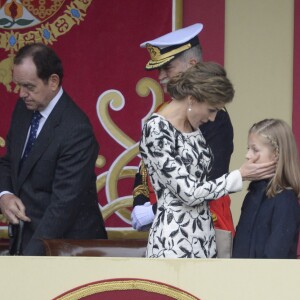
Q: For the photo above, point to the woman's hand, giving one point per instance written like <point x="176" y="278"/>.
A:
<point x="252" y="171"/>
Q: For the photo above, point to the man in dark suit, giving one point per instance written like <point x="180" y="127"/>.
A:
<point x="52" y="186"/>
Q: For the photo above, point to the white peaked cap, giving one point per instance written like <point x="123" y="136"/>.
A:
<point x="177" y="37"/>
<point x="169" y="46"/>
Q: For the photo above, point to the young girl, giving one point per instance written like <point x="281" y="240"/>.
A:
<point x="269" y="222"/>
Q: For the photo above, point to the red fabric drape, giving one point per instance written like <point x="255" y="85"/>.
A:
<point x="100" y="53"/>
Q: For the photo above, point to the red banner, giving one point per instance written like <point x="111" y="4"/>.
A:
<point x="98" y="42"/>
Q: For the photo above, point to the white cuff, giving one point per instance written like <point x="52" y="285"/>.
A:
<point x="234" y="181"/>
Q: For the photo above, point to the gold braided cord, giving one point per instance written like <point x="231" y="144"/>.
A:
<point x="157" y="57"/>
<point x="123" y="285"/>
<point x="214" y="217"/>
<point x="142" y="188"/>
<point x="155" y="64"/>
<point x="144" y="173"/>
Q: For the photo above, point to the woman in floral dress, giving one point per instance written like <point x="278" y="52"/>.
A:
<point x="178" y="160"/>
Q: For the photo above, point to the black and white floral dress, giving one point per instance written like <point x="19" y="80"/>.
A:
<point x="178" y="164"/>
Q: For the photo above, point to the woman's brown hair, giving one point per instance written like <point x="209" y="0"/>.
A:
<point x="205" y="81"/>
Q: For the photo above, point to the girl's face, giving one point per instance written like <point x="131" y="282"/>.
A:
<point x="259" y="149"/>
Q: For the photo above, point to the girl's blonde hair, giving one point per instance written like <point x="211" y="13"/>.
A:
<point x="279" y="136"/>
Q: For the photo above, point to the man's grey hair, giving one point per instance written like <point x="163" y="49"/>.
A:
<point x="194" y="53"/>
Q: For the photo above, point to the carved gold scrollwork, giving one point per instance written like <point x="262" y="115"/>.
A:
<point x="143" y="89"/>
<point x="113" y="177"/>
<point x="116" y="101"/>
<point x="119" y="169"/>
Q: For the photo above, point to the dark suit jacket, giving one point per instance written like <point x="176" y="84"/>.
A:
<point x="56" y="183"/>
<point x="268" y="227"/>
<point x="219" y="136"/>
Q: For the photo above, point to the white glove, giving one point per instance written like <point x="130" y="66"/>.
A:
<point x="142" y="217"/>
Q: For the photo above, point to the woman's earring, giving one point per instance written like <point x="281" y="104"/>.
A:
<point x="190" y="108"/>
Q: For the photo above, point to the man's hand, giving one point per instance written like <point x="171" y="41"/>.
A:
<point x="142" y="217"/>
<point x="13" y="209"/>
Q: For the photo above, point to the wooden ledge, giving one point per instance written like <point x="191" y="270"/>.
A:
<point x="98" y="248"/>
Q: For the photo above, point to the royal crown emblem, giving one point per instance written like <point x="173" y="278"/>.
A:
<point x="153" y="51"/>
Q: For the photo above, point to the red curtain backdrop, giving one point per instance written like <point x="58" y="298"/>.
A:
<point x="99" y="53"/>
<point x="296" y="89"/>
<point x="212" y="15"/>
<point x="101" y="57"/>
